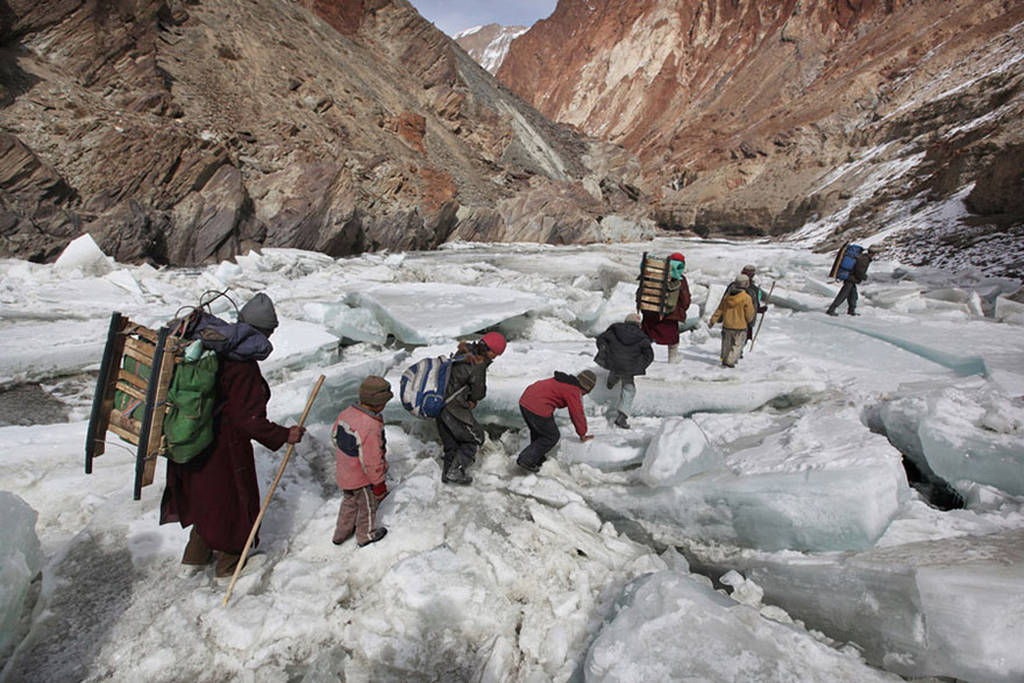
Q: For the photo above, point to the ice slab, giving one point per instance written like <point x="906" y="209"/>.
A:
<point x="431" y="312"/>
<point x="960" y="364"/>
<point x="20" y="560"/>
<point x="34" y="351"/>
<point x="340" y="389"/>
<point x="951" y="607"/>
<point x="672" y="626"/>
<point x="821" y="483"/>
<point x="1009" y="311"/>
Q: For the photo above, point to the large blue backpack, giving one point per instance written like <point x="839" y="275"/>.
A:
<point x="423" y="386"/>
<point x="846" y="259"/>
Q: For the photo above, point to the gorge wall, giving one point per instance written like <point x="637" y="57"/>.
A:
<point x="182" y="131"/>
<point x="838" y="118"/>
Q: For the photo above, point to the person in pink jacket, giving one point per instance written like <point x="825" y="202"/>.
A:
<point x="538" y="404"/>
<point x="358" y="436"/>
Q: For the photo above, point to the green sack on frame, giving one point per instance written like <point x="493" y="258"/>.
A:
<point x="188" y="423"/>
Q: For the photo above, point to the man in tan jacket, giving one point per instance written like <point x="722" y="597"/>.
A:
<point x="736" y="311"/>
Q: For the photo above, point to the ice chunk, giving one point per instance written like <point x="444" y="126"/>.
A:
<point x="19" y="563"/>
<point x="621" y="302"/>
<point x="1009" y="311"/>
<point x="83" y="254"/>
<point x="340" y="388"/>
<point x="950" y="607"/>
<point x="961" y="439"/>
<point x="678" y="451"/>
<point x="298" y="343"/>
<point x="431" y="312"/>
<point x="356" y="324"/>
<point x="35" y="351"/>
<point x="670" y="626"/>
<point x="821" y="483"/>
<point x="959" y="433"/>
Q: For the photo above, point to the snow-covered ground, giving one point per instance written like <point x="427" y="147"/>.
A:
<point x="755" y="524"/>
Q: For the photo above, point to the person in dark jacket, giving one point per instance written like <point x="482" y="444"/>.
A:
<point x="460" y="433"/>
<point x="217" y="492"/>
<point x="538" y="404"/>
<point x="848" y="292"/>
<point x="625" y="352"/>
<point x="663" y="328"/>
<point x="757" y="295"/>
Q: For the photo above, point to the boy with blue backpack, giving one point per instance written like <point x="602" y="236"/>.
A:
<point x="460" y="433"/>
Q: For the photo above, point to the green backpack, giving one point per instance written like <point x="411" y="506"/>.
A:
<point x="188" y="423"/>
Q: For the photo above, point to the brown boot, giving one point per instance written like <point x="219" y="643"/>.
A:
<point x="226" y="563"/>
<point x="197" y="553"/>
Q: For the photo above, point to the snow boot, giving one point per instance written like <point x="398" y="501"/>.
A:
<point x="375" y="535"/>
<point x="528" y="468"/>
<point x="456" y="474"/>
<point x="621" y="421"/>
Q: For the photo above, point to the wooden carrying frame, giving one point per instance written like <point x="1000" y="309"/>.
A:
<point x="144" y="347"/>
<point x="654" y="276"/>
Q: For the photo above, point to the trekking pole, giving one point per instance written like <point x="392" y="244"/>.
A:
<point x="761" y="321"/>
<point x="266" y="501"/>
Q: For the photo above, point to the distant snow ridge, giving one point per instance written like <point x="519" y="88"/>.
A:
<point x="489" y="44"/>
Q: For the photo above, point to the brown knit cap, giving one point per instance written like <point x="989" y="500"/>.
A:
<point x="587" y="380"/>
<point x="375" y="391"/>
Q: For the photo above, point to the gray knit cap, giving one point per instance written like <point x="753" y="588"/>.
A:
<point x="259" y="312"/>
<point x="742" y="280"/>
<point x="587" y="380"/>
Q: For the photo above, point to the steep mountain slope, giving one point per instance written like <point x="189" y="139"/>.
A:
<point x="184" y="131"/>
<point x="840" y="117"/>
<point x="488" y="44"/>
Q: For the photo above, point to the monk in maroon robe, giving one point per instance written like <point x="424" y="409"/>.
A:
<point x="217" y="492"/>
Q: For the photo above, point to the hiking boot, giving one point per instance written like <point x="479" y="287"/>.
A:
<point x="620" y="421"/>
<point x="831" y="312"/>
<point x="226" y="563"/>
<point x="852" y="313"/>
<point x="375" y="535"/>
<point x="528" y="468"/>
<point x="456" y="474"/>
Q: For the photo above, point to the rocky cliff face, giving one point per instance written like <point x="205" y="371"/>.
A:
<point x="835" y="117"/>
<point x="181" y="131"/>
<point x="489" y="44"/>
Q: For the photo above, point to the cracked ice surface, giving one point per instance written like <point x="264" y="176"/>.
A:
<point x="785" y="470"/>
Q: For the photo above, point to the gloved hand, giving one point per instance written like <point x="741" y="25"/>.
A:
<point x="380" y="491"/>
<point x="763" y="309"/>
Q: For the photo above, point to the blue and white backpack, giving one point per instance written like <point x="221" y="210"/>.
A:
<point x="423" y="385"/>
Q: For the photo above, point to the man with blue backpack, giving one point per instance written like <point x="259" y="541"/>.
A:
<point x="848" y="292"/>
<point x="460" y="433"/>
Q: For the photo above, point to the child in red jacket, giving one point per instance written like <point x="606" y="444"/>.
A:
<point x="359" y="438"/>
<point x="538" y="404"/>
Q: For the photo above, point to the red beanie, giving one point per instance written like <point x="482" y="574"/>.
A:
<point x="495" y="342"/>
<point x="677" y="257"/>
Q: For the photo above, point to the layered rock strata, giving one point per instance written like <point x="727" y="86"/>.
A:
<point x="187" y="131"/>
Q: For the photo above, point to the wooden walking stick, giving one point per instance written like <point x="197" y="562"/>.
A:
<point x="761" y="321"/>
<point x="266" y="501"/>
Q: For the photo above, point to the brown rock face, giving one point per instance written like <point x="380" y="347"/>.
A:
<point x="763" y="117"/>
<point x="183" y="132"/>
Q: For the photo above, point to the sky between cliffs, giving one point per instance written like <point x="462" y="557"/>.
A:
<point x="452" y="16"/>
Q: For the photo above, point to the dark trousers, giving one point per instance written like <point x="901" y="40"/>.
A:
<point x="455" y="451"/>
<point x="543" y="437"/>
<point x="847" y="293"/>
